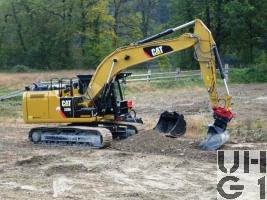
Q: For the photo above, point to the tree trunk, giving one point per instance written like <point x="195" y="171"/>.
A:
<point x="218" y="28"/>
<point x="83" y="27"/>
<point x="207" y="12"/>
<point x="251" y="58"/>
<point x="117" y="5"/>
<point x="19" y="31"/>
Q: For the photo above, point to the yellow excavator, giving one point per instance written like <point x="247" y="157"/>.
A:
<point x="93" y="108"/>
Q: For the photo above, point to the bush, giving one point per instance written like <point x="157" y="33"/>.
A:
<point x="262" y="61"/>
<point x="164" y="63"/>
<point x="253" y="74"/>
<point x="20" y="68"/>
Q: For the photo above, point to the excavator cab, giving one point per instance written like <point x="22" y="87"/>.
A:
<point x="112" y="101"/>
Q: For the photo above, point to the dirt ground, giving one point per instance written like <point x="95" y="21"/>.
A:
<point x="144" y="166"/>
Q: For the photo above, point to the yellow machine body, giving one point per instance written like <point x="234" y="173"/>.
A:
<point x="97" y="100"/>
<point x="44" y="106"/>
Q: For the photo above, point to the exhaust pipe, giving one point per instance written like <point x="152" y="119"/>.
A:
<point x="171" y="123"/>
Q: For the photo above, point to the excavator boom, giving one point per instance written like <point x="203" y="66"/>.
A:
<point x="148" y="49"/>
<point x="95" y="100"/>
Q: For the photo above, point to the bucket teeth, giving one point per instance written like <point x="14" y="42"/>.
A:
<point x="171" y="123"/>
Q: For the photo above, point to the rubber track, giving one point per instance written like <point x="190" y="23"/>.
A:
<point x="105" y="133"/>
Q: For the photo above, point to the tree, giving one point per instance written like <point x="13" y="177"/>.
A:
<point x="79" y="33"/>
<point x="126" y="22"/>
<point x="148" y="15"/>
<point x="100" y="33"/>
<point x="247" y="30"/>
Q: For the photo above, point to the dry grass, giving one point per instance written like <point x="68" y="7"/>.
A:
<point x="20" y="80"/>
<point x="197" y="126"/>
<point x="11" y="108"/>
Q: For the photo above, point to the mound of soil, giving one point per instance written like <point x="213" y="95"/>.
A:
<point x="151" y="142"/>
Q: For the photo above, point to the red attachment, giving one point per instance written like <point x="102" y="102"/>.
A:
<point x="130" y="104"/>
<point x="223" y="112"/>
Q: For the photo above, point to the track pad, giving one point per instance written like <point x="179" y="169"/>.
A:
<point x="171" y="123"/>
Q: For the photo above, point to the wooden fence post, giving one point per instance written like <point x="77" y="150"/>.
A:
<point x="148" y="75"/>
<point x="226" y="69"/>
<point x="177" y="74"/>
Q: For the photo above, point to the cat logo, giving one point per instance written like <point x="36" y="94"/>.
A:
<point x="66" y="103"/>
<point x="156" y="51"/>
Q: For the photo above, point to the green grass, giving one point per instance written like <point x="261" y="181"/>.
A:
<point x="11" y="108"/>
<point x="186" y="83"/>
<point x="4" y="91"/>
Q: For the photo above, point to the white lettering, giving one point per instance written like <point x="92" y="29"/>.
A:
<point x="66" y="103"/>
<point x="157" y="51"/>
<point x="153" y="51"/>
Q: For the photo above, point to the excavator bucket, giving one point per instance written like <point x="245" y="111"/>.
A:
<point x="217" y="134"/>
<point x="171" y="123"/>
<point x="216" y="137"/>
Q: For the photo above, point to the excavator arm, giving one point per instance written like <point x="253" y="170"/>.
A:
<point x="146" y="50"/>
<point x="126" y="57"/>
<point x="206" y="53"/>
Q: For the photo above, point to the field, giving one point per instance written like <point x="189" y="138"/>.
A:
<point x="145" y="166"/>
